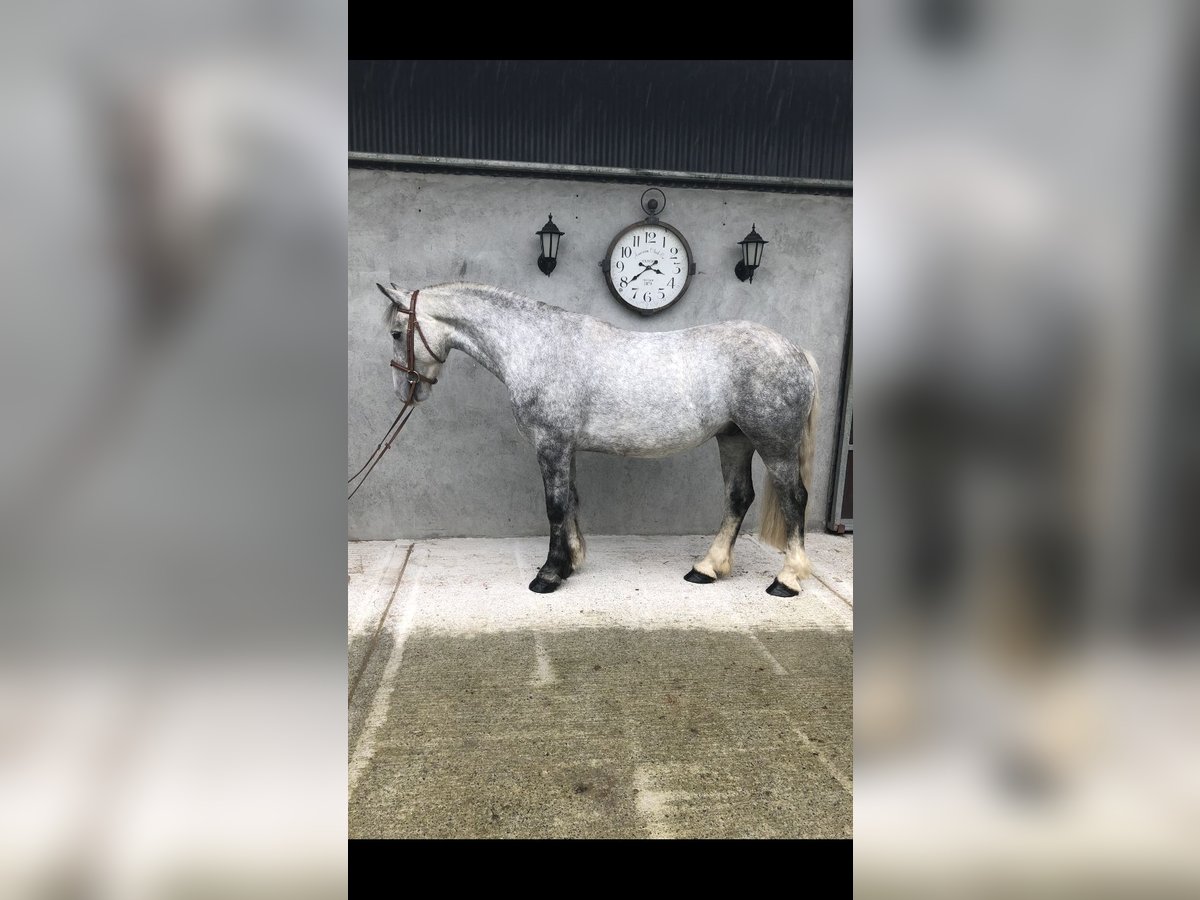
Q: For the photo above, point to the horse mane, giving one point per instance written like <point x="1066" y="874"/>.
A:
<point x="502" y="296"/>
<point x="474" y="287"/>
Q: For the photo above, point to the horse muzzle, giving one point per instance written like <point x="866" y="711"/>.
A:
<point x="403" y="381"/>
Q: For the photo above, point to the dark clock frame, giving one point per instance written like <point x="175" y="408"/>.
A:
<point x="606" y="264"/>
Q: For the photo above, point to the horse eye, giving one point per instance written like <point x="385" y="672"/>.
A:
<point x="398" y="334"/>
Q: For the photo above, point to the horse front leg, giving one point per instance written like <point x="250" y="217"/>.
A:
<point x="556" y="460"/>
<point x="737" y="455"/>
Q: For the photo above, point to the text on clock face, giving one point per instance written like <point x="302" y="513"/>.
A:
<point x="649" y="266"/>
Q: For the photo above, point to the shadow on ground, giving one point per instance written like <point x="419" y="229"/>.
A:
<point x="609" y="732"/>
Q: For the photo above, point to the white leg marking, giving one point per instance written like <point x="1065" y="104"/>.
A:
<point x="576" y="545"/>
<point x="796" y="566"/>
<point x="719" y="561"/>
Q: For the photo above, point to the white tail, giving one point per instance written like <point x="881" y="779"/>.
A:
<point x="771" y="527"/>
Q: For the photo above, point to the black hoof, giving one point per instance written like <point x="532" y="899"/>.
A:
<point x="780" y="590"/>
<point x="540" y="585"/>
<point x="698" y="577"/>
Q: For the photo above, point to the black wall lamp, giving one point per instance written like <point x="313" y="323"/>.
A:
<point x="550" y="235"/>
<point x="752" y="248"/>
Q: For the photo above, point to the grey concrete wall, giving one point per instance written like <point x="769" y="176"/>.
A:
<point x="461" y="468"/>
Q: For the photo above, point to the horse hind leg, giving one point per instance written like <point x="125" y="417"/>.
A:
<point x="792" y="496"/>
<point x="737" y="453"/>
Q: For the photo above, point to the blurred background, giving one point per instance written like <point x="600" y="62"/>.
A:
<point x="172" y="380"/>
<point x="172" y="375"/>
<point x="1026" y="681"/>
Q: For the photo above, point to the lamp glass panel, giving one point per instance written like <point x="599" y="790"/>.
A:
<point x="756" y="250"/>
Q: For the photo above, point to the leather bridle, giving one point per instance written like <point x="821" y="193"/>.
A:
<point x="409" y="368"/>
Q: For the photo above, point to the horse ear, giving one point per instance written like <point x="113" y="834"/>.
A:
<point x="393" y="296"/>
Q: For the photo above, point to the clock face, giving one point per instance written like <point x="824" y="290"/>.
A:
<point x="649" y="266"/>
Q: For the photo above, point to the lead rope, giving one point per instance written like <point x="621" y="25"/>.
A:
<point x="410" y="403"/>
<point x="385" y="444"/>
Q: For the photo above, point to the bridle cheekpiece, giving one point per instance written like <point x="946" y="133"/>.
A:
<point x="409" y="367"/>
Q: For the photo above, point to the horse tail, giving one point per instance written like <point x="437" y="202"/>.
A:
<point x="772" y="527"/>
<point x="808" y="443"/>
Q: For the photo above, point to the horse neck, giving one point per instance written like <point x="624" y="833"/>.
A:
<point x="487" y="327"/>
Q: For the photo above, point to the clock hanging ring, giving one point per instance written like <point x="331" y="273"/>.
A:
<point x="649" y="264"/>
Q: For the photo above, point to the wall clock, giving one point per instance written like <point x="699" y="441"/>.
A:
<point x="649" y="264"/>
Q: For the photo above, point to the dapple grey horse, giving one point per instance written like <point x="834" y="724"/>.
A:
<point x="578" y="383"/>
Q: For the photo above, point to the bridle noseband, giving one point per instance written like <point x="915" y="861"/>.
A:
<point x="409" y="368"/>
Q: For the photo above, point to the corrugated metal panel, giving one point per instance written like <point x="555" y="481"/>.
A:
<point x="780" y="118"/>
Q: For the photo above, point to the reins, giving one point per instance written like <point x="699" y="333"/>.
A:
<point x="410" y="403"/>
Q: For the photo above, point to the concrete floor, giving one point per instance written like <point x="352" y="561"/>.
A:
<point x="629" y="703"/>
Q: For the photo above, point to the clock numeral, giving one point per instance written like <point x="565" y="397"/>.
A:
<point x="649" y="287"/>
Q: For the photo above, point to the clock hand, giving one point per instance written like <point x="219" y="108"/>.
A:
<point x="646" y="267"/>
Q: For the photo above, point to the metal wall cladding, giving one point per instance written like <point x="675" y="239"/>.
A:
<point x="781" y="118"/>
